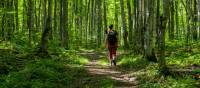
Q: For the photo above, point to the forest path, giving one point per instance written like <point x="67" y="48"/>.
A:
<point x="123" y="79"/>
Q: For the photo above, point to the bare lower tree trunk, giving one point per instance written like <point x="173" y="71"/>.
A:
<point x="125" y="32"/>
<point x="195" y="20"/>
<point x="99" y="24"/>
<point x="161" y="42"/>
<point x="24" y="6"/>
<point x="3" y="22"/>
<point x="148" y="31"/>
<point x="16" y="16"/>
<point x="130" y="22"/>
<point x="177" y="19"/>
<point x="105" y="15"/>
<point x="48" y="28"/>
<point x="30" y="19"/>
<point x="171" y="22"/>
<point x="65" y="24"/>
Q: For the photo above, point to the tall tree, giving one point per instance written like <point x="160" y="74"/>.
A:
<point x="195" y="20"/>
<point x="46" y="31"/>
<point x="130" y="22"/>
<point x="125" y="32"/>
<point x="65" y="23"/>
<point x="177" y="18"/>
<point x="148" y="30"/>
<point x="99" y="24"/>
<point x="171" y="20"/>
<point x="161" y="35"/>
<point x="16" y="16"/>
<point x="3" y="21"/>
<point x="30" y="19"/>
<point x="105" y="14"/>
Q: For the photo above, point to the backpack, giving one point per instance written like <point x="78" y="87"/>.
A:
<point x="112" y="38"/>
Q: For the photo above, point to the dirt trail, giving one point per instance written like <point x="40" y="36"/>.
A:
<point x="124" y="79"/>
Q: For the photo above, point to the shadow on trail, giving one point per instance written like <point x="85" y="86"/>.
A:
<point x="112" y="75"/>
<point x="93" y="55"/>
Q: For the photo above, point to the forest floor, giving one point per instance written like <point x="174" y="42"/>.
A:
<point x="122" y="79"/>
<point x="85" y="68"/>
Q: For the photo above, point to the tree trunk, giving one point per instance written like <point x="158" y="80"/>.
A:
<point x="171" y="22"/>
<point x="99" y="24"/>
<point x="125" y="33"/>
<point x="148" y="28"/>
<point x="105" y="16"/>
<point x="195" y="21"/>
<point x="30" y="19"/>
<point x="177" y="19"/>
<point x="55" y="16"/>
<point x="46" y="32"/>
<point x="130" y="22"/>
<point x="16" y="16"/>
<point x="161" y="43"/>
<point x="65" y="24"/>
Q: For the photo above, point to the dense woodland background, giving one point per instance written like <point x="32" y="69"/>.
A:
<point x="166" y="32"/>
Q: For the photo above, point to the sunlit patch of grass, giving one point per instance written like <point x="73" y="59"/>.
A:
<point x="83" y="60"/>
<point x="6" y="45"/>
<point x="149" y="78"/>
<point x="103" y="61"/>
<point x="132" y="62"/>
<point x="187" y="82"/>
<point x="71" y="57"/>
<point x="183" y="59"/>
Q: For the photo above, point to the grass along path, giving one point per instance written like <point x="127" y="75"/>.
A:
<point x="122" y="79"/>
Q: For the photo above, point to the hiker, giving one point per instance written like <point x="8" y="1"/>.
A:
<point x="112" y="44"/>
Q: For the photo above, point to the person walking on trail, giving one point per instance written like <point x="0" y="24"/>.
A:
<point x="112" y="44"/>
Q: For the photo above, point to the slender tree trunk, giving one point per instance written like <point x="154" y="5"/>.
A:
<point x="130" y="22"/>
<point x="48" y="28"/>
<point x="30" y="19"/>
<point x="61" y="22"/>
<point x="161" y="43"/>
<point x="99" y="24"/>
<point x="65" y="24"/>
<point x="3" y="22"/>
<point x="188" y="9"/>
<point x="177" y="19"/>
<point x="148" y="28"/>
<point x="125" y="33"/>
<point x="105" y="16"/>
<point x="55" y="16"/>
<point x="39" y="16"/>
<point x="116" y="16"/>
<point x="16" y="16"/>
<point x="92" y="20"/>
<point x="24" y="11"/>
<point x="135" y="26"/>
<point x="87" y="22"/>
<point x="171" y="22"/>
<point x="195" y="21"/>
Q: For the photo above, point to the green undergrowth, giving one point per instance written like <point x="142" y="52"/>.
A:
<point x="44" y="73"/>
<point x="60" y="71"/>
<point x="147" y="73"/>
<point x="177" y="54"/>
<point x="63" y="69"/>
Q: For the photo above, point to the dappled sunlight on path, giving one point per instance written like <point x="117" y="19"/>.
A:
<point x="123" y="79"/>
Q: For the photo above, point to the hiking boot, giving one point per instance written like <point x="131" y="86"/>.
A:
<point x="114" y="62"/>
